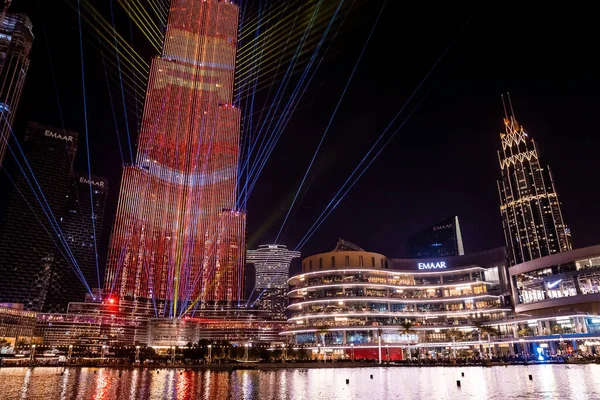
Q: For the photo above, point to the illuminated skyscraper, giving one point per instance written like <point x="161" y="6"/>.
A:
<point x="272" y="264"/>
<point x="16" y="39"/>
<point x="81" y="226"/>
<point x="178" y="238"/>
<point x="31" y="251"/>
<point x="443" y="239"/>
<point x="531" y="216"/>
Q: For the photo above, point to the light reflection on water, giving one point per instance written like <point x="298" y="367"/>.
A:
<point x="501" y="383"/>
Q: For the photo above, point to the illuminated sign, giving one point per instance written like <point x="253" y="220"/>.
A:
<point x="91" y="182"/>
<point x="440" y="227"/>
<point x="58" y="136"/>
<point x="433" y="265"/>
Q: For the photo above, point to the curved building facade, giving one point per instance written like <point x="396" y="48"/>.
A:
<point x="362" y="304"/>
<point x="559" y="282"/>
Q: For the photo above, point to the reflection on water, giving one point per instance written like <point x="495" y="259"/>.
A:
<point x="549" y="382"/>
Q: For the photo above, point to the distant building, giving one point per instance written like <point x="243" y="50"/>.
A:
<point x="16" y="39"/>
<point x="442" y="239"/>
<point x="531" y="215"/>
<point x="272" y="266"/>
<point x="17" y="325"/>
<point x="29" y="232"/>
<point x="81" y="227"/>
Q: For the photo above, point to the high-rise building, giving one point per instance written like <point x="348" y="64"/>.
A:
<point x="442" y="239"/>
<point x="81" y="227"/>
<point x="178" y="237"/>
<point x="531" y="216"/>
<point x="30" y="228"/>
<point x="272" y="265"/>
<point x="16" y="39"/>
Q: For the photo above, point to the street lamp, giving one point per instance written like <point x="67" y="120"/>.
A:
<point x="247" y="346"/>
<point x="209" y="353"/>
<point x="32" y="356"/>
<point x="283" y="352"/>
<point x="172" y="354"/>
<point x="352" y="347"/>
<point x="69" y="353"/>
<point x="137" y="354"/>
<point x="103" y="353"/>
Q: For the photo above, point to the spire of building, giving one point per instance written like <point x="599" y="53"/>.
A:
<point x="531" y="215"/>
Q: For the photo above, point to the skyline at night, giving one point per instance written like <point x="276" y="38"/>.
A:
<point x="410" y="185"/>
<point x="254" y="199"/>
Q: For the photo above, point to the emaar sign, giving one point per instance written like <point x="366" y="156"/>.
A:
<point x="433" y="265"/>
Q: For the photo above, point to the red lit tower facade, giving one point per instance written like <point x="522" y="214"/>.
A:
<point x="178" y="239"/>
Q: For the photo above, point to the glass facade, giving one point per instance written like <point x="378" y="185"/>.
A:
<point x="362" y="306"/>
<point x="443" y="239"/>
<point x="32" y="249"/>
<point x="81" y="227"/>
<point x="580" y="277"/>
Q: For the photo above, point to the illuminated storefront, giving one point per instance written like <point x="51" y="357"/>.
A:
<point x="564" y="280"/>
<point x="356" y="301"/>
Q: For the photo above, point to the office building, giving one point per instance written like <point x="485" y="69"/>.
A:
<point x="16" y="38"/>
<point x="531" y="215"/>
<point x="272" y="270"/>
<point x="30" y="237"/>
<point x="81" y="226"/>
<point x="179" y="239"/>
<point x="442" y="239"/>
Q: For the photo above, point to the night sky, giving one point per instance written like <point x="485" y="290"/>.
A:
<point x="441" y="163"/>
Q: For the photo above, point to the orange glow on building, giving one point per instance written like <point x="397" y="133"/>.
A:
<point x="178" y="237"/>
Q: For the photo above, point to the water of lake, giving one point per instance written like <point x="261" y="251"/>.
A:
<point x="578" y="382"/>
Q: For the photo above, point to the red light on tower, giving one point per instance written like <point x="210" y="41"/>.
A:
<point x="111" y="301"/>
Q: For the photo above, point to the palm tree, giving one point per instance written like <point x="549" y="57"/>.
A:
<point x="485" y="330"/>
<point x="3" y="342"/>
<point x="525" y="332"/>
<point x="322" y="331"/>
<point x="454" y="334"/>
<point x="407" y="329"/>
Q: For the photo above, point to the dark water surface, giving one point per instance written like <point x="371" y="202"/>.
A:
<point x="549" y="382"/>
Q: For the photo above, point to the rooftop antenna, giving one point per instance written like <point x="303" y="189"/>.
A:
<point x="510" y="104"/>
<point x="504" y="106"/>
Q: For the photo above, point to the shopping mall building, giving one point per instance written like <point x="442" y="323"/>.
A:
<point x="350" y="303"/>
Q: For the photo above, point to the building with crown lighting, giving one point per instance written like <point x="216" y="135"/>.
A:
<point x="178" y="239"/>
<point x="531" y="215"/>
<point x="272" y="271"/>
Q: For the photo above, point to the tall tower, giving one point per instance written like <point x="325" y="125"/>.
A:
<point x="16" y="39"/>
<point x="81" y="228"/>
<point x="531" y="216"/>
<point x="178" y="239"/>
<point x="31" y="250"/>
<point x="272" y="264"/>
<point x="443" y="239"/>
